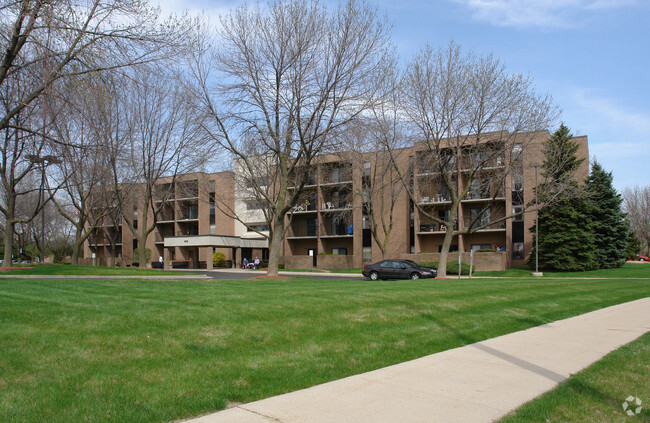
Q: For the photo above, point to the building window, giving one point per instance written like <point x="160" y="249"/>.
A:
<point x="479" y="217"/>
<point x="340" y="251"/>
<point x="258" y="228"/>
<point x="253" y="205"/>
<point x="367" y="253"/>
<point x="213" y="228"/>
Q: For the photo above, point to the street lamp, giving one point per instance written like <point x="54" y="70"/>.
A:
<point x="537" y="272"/>
<point x="43" y="161"/>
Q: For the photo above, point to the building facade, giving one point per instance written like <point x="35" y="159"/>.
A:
<point x="349" y="204"/>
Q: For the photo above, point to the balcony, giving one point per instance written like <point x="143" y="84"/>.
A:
<point x="189" y="213"/>
<point x="330" y="206"/>
<point x="491" y="227"/>
<point x="308" y="206"/>
<point x="435" y="199"/>
<point x="477" y="197"/>
<point x="434" y="228"/>
<point x="301" y="231"/>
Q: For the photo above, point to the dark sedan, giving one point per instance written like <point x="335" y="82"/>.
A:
<point x="398" y="269"/>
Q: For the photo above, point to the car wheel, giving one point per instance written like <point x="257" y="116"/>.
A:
<point x="641" y="259"/>
<point x="374" y="276"/>
<point x="415" y="275"/>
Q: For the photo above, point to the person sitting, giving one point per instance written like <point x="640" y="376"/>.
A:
<point x="256" y="263"/>
<point x="244" y="263"/>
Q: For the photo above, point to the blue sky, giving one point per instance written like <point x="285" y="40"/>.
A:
<point x="592" y="56"/>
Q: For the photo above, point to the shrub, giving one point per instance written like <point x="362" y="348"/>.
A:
<point x="452" y="267"/>
<point x="485" y="250"/>
<point x="218" y="260"/>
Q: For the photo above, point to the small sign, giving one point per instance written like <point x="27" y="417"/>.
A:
<point x="94" y="255"/>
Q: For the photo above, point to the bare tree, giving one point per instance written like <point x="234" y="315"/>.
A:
<point x="162" y="142"/>
<point x="377" y="144"/>
<point x="471" y="121"/>
<point x="288" y="80"/>
<point x="45" y="43"/>
<point x="636" y="203"/>
<point x="88" y="134"/>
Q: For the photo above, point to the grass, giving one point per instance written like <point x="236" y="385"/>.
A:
<point x="629" y="270"/>
<point x="151" y="351"/>
<point x="597" y="393"/>
<point x="57" y="269"/>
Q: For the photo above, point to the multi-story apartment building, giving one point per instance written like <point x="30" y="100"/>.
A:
<point x="191" y="225"/>
<point x="346" y="195"/>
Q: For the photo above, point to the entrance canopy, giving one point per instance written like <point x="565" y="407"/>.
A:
<point x="219" y="241"/>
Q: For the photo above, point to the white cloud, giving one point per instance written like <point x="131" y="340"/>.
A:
<point x="538" y="13"/>
<point x="608" y="112"/>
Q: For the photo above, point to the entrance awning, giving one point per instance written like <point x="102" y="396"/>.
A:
<point x="219" y="241"/>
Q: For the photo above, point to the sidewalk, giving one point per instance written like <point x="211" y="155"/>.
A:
<point x="476" y="383"/>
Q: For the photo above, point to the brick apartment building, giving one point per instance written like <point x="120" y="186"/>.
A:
<point x="330" y="225"/>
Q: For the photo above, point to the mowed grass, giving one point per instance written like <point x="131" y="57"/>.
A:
<point x="629" y="270"/>
<point x="154" y="351"/>
<point x="59" y="269"/>
<point x="597" y="393"/>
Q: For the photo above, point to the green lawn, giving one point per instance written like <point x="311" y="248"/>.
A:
<point x="597" y="393"/>
<point x="60" y="269"/>
<point x="153" y="351"/>
<point x="629" y="270"/>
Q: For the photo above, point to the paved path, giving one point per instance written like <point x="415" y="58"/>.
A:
<point x="476" y="383"/>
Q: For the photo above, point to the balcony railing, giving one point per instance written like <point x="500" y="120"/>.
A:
<point x="468" y="223"/>
<point x="302" y="231"/>
<point x="190" y="214"/>
<point x="336" y="205"/>
<point x="437" y="198"/>
<point x="305" y="207"/>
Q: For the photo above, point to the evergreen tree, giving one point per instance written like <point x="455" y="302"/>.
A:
<point x="609" y="224"/>
<point x="633" y="246"/>
<point x="566" y="237"/>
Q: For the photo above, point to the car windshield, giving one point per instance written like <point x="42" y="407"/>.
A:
<point x="411" y="263"/>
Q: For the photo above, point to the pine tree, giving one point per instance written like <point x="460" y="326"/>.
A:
<point x="566" y="237"/>
<point x="610" y="227"/>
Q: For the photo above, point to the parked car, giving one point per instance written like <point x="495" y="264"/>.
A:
<point x="640" y="258"/>
<point x="398" y="269"/>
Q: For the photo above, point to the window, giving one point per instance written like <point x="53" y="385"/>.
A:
<point x="340" y="251"/>
<point x="259" y="228"/>
<point x="479" y="217"/>
<point x="213" y="228"/>
<point x="385" y="264"/>
<point x="312" y="226"/>
<point x="253" y="205"/>
<point x="367" y="253"/>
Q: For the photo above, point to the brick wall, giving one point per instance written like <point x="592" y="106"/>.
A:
<point x="496" y="260"/>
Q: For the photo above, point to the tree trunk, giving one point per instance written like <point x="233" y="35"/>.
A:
<point x="74" y="258"/>
<point x="444" y="251"/>
<point x="275" y="245"/>
<point x="142" y="251"/>
<point x="9" y="230"/>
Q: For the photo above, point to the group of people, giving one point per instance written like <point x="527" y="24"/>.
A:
<point x="250" y="265"/>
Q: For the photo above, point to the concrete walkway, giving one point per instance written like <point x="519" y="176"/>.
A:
<point x="477" y="383"/>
